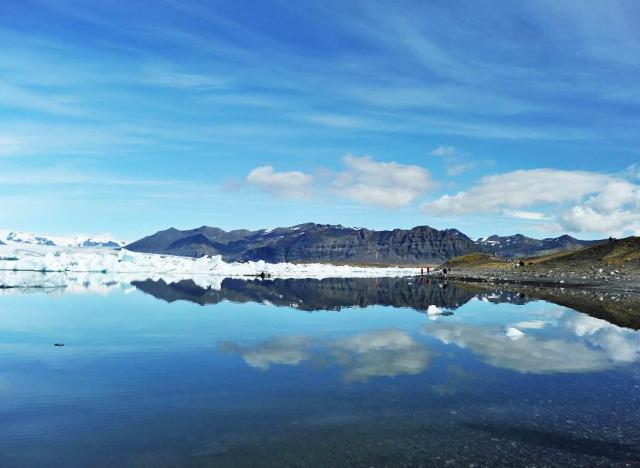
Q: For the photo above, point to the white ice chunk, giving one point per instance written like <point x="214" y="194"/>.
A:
<point x="39" y="259"/>
<point x="513" y="333"/>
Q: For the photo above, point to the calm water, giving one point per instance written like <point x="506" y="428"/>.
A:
<point x="311" y="373"/>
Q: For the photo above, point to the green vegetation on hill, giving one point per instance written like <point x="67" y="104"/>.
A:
<point x="619" y="253"/>
<point x="475" y="260"/>
<point x="622" y="252"/>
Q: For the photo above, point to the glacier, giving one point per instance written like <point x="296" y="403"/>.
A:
<point x="51" y="266"/>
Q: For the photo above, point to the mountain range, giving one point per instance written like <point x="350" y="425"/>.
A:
<point x="311" y="242"/>
<point x="25" y="238"/>
<point x="522" y="246"/>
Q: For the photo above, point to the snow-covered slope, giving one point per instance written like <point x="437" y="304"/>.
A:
<point x="207" y="270"/>
<point x="79" y="240"/>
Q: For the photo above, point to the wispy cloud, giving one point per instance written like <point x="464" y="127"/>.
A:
<point x="455" y="162"/>
<point x="9" y="145"/>
<point x="197" y="85"/>
<point x="16" y="97"/>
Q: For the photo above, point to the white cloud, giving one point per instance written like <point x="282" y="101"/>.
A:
<point x="583" y="218"/>
<point x="581" y="201"/>
<point x="457" y="168"/>
<point x="444" y="151"/>
<point x="292" y="184"/>
<point x="364" y="180"/>
<point x="521" y="214"/>
<point x="518" y="189"/>
<point x="454" y="163"/>
<point x="336" y="121"/>
<point x="386" y="184"/>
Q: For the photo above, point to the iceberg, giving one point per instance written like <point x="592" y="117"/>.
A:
<point x="513" y="333"/>
<point x="433" y="310"/>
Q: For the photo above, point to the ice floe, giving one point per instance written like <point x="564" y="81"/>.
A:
<point x="433" y="310"/>
<point x="513" y="333"/>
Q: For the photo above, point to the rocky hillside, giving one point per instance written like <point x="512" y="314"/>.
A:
<point x="614" y="264"/>
<point x="313" y="243"/>
<point x="621" y="253"/>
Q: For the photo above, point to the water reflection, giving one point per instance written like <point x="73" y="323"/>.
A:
<point x="576" y="343"/>
<point x="540" y="340"/>
<point x="246" y="384"/>
<point x="383" y="353"/>
<point x="415" y="293"/>
<point x="288" y="350"/>
<point x="313" y="294"/>
<point x="386" y="353"/>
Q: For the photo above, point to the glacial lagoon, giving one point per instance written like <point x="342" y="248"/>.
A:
<point x="334" y="372"/>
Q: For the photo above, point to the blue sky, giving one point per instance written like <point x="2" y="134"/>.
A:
<point x="501" y="118"/>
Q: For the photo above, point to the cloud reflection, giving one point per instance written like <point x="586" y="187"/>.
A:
<point x="285" y="350"/>
<point x="384" y="353"/>
<point x="579" y="343"/>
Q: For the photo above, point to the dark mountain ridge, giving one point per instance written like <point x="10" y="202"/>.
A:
<point x="312" y="242"/>
<point x="519" y="245"/>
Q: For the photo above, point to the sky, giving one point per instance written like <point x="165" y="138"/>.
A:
<point x="132" y="117"/>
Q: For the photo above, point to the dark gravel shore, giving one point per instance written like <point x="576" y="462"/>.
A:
<point x="606" y="277"/>
<point x="610" y="293"/>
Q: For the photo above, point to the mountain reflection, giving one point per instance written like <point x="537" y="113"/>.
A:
<point x="415" y="293"/>
<point x="325" y="294"/>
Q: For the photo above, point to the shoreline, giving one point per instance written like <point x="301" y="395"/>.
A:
<point x="616" y="300"/>
<point x="613" y="278"/>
